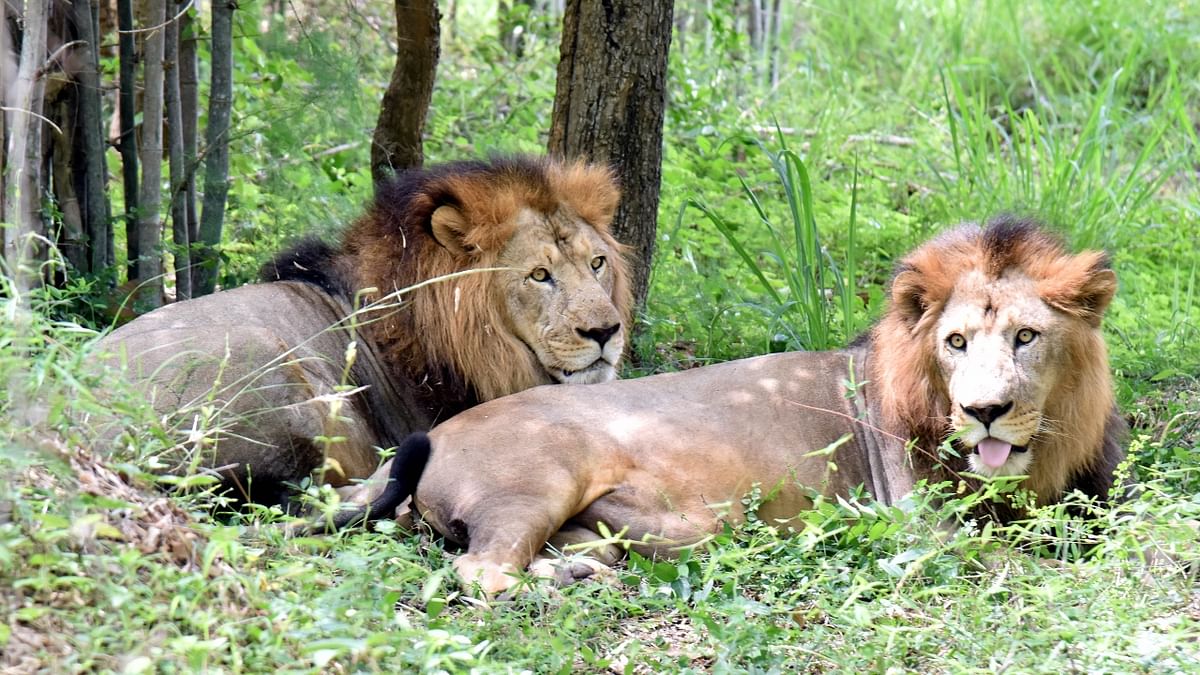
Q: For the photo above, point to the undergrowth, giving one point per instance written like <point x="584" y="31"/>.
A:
<point x="784" y="207"/>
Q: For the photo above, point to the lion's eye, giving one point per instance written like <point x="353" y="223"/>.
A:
<point x="597" y="262"/>
<point x="1025" y="336"/>
<point x="957" y="341"/>
<point x="540" y="274"/>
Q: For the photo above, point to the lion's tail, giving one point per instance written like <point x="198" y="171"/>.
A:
<point x="407" y="466"/>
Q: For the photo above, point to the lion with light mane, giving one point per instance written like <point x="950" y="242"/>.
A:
<point x="336" y="356"/>
<point x="991" y="338"/>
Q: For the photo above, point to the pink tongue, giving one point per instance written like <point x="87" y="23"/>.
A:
<point x="993" y="451"/>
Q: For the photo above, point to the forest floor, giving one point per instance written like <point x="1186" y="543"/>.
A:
<point x="915" y="116"/>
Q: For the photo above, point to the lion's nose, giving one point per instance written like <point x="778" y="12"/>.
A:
<point x="988" y="413"/>
<point x="600" y="335"/>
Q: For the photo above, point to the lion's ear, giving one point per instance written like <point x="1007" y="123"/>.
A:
<point x="1082" y="287"/>
<point x="450" y="230"/>
<point x="908" y="296"/>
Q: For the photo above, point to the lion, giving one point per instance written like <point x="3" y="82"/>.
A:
<point x="346" y="350"/>
<point x="991" y="339"/>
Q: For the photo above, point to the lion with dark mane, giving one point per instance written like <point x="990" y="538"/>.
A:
<point x="991" y="341"/>
<point x="348" y="349"/>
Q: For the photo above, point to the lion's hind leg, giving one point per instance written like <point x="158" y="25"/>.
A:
<point x="502" y="538"/>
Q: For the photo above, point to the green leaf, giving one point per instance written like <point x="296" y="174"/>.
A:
<point x="27" y="614"/>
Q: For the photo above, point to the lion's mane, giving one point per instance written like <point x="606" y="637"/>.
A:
<point x="1087" y="446"/>
<point x="452" y="339"/>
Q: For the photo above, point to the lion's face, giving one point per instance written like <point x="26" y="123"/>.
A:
<point x="993" y="335"/>
<point x="550" y="302"/>
<point x="559" y="296"/>
<point x="996" y="345"/>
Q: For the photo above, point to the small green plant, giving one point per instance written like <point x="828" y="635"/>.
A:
<point x="818" y="293"/>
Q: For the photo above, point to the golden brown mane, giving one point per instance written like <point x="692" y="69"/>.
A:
<point x="453" y="337"/>
<point x="914" y="393"/>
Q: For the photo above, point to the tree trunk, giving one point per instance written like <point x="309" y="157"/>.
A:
<point x="515" y="17"/>
<point x="709" y="37"/>
<point x="8" y="73"/>
<point x="755" y="19"/>
<point x="452" y="18"/>
<point x="397" y="142"/>
<point x="150" y="262"/>
<point x="776" y="36"/>
<point x="23" y="170"/>
<point x="178" y="168"/>
<point x="189" y="88"/>
<point x="61" y="154"/>
<point x="128" y="106"/>
<point x="608" y="108"/>
<point x="216" y="159"/>
<point x="96" y="223"/>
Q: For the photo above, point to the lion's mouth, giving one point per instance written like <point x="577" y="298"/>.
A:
<point x="593" y="367"/>
<point x="994" y="452"/>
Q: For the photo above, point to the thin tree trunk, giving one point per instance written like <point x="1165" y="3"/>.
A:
<point x="150" y="262"/>
<point x="754" y="24"/>
<point x="189" y="88"/>
<point x="179" y="220"/>
<point x="91" y="132"/>
<point x="397" y="142"/>
<point x="61" y="157"/>
<point x="216" y="161"/>
<point x="608" y="108"/>
<point x="684" y="21"/>
<point x="776" y="36"/>
<point x="515" y="17"/>
<point x="128" y="106"/>
<point x="8" y="73"/>
<point x="708" y="26"/>
<point x="23" y="180"/>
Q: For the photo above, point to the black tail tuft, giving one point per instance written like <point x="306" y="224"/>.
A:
<point x="407" y="466"/>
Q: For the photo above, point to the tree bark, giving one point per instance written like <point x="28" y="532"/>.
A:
<point x="95" y="211"/>
<point x="397" y="142"/>
<point x="755" y="24"/>
<point x="23" y="170"/>
<point x="776" y="36"/>
<point x="61" y="153"/>
<point x="452" y="18"/>
<point x="189" y="88"/>
<point x="150" y="262"/>
<point x="8" y="73"/>
<point x="608" y="108"/>
<point x="178" y="170"/>
<point x="216" y="160"/>
<point x="515" y="17"/>
<point x="128" y="146"/>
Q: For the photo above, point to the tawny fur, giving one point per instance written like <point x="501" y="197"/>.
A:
<point x="914" y="393"/>
<point x="273" y="359"/>
<point x="457" y="330"/>
<point x="667" y="459"/>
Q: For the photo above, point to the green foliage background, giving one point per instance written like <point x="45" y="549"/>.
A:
<point x="907" y="117"/>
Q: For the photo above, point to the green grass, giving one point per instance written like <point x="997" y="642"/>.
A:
<point x="905" y="118"/>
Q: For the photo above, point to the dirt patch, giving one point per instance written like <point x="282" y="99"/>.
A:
<point x="152" y="523"/>
<point x="130" y="513"/>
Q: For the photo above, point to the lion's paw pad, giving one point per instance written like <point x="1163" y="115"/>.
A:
<point x="565" y="572"/>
